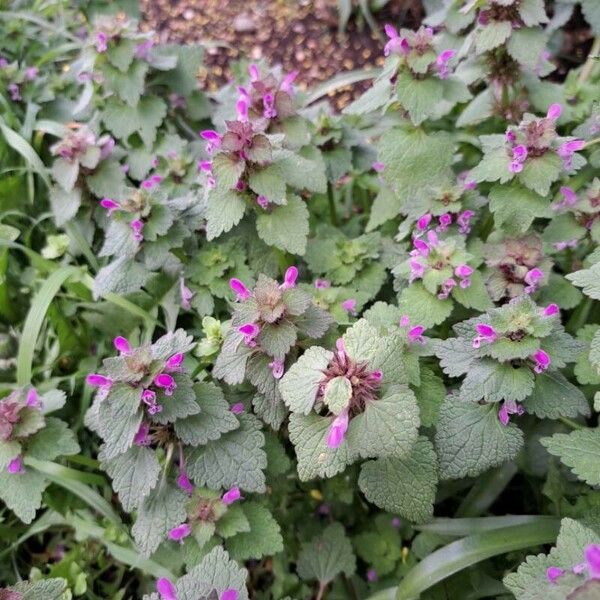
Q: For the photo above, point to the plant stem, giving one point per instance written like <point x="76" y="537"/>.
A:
<point x="322" y="587"/>
<point x="592" y="142"/>
<point x="570" y="423"/>
<point x="588" y="67"/>
<point x="331" y="200"/>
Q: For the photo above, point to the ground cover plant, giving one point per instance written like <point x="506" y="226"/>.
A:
<point x="252" y="347"/>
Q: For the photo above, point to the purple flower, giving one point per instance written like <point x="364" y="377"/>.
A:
<point x="15" y="92"/>
<point x="338" y="429"/>
<point x="183" y="482"/>
<point x="553" y="573"/>
<point x="417" y="270"/>
<point x="185" y="294"/>
<point x="99" y="381"/>
<point x="592" y="557"/>
<point x="464" y="272"/>
<point x="446" y="288"/>
<point x="432" y="238"/>
<point x="349" y="306"/>
<point x="532" y="279"/>
<point x="165" y="382"/>
<point x="241" y="291"/>
<point x="542" y="361"/>
<point x="31" y="73"/>
<point x="109" y="205"/>
<point x="101" y="41"/>
<point x="550" y="310"/>
<point x="378" y="167"/>
<point x="237" y="408"/>
<point x="554" y="111"/>
<point x="372" y="575"/>
<point x="441" y="63"/>
<point x="288" y="80"/>
<point x="289" y="279"/>
<point x="415" y="335"/>
<point x="122" y="344"/>
<point x="151" y="182"/>
<point x="3" y="62"/>
<point x="396" y="523"/>
<point x="404" y="321"/>
<point x="510" y="136"/>
<point x="242" y="109"/>
<point x="277" y="367"/>
<point x="166" y="589"/>
<point x="423" y="222"/>
<point x="230" y="594"/>
<point x="565" y="244"/>
<point x="180" y="532"/>
<point x="106" y="146"/>
<point x="396" y="44"/>
<point x="519" y="155"/>
<point x="213" y="140"/>
<point x="254" y="72"/>
<point x="509" y="407"/>
<point x="136" y="226"/>
<point x="567" y="150"/>
<point x="148" y="397"/>
<point x="174" y="363"/>
<point x="15" y="466"/>
<point x="250" y="331"/>
<point x="231" y="496"/>
<point x="269" y="111"/>
<point x="262" y="201"/>
<point x="485" y="333"/>
<point x="142" y="51"/>
<point x="445" y="221"/>
<point x="421" y="248"/>
<point x="322" y="284"/>
<point x="142" y="437"/>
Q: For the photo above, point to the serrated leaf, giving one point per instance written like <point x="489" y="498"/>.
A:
<point x="56" y="439"/>
<point x="65" y="173"/>
<point x="541" y="172"/>
<point x="492" y="35"/>
<point x="430" y="394"/>
<point x="419" y="96"/>
<point x="22" y="492"/>
<point x="404" y="486"/>
<point x="267" y="182"/>
<point x="327" y="556"/>
<point x="237" y="458"/>
<point x="122" y="276"/>
<point x="224" y="209"/>
<point x="492" y="382"/>
<point x="285" y="227"/>
<point x="337" y="394"/>
<point x="180" y="404"/>
<point x="160" y="512"/>
<point x="579" y="450"/>
<point x="263" y="539"/>
<point x="299" y="386"/>
<point x="276" y="339"/>
<point x="553" y="396"/>
<point x="134" y="474"/>
<point x="588" y="279"/>
<point x="422" y="307"/>
<point x="470" y="439"/>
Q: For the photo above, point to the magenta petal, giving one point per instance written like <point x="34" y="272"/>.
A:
<point x="174" y="362"/>
<point x="551" y="309"/>
<point x="554" y="111"/>
<point x="164" y="380"/>
<point x="485" y="330"/>
<point x="291" y="275"/>
<point x="96" y="380"/>
<point x="592" y="557"/>
<point x="553" y="573"/>
<point x="232" y="495"/>
<point x="229" y="594"/>
<point x="15" y="466"/>
<point x="166" y="589"/>
<point x="122" y="344"/>
<point x="337" y="431"/>
<point x="180" y="532"/>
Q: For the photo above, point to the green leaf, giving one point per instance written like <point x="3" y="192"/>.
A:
<point x="430" y="394"/>
<point x="263" y="539"/>
<point x="492" y="382"/>
<point x="233" y="521"/>
<point x="554" y="396"/>
<point x="299" y="386"/>
<point x="540" y="173"/>
<point x="285" y="227"/>
<point x="327" y="556"/>
<point x="160" y="512"/>
<point x="515" y="207"/>
<point x="591" y="12"/>
<point x="22" y="492"/>
<point x="526" y="45"/>
<point x="422" y="307"/>
<point x="65" y="173"/>
<point x="122" y="276"/>
<point x="374" y="98"/>
<point x="419" y="96"/>
<point x="44" y="589"/>
<point x="337" y="394"/>
<point x="123" y="120"/>
<point x="405" y="486"/>
<point x="121" y="54"/>
<point x="56" y="439"/>
<point x="304" y="170"/>
<point x="588" y="279"/>
<point x="470" y="439"/>
<point x="237" y="458"/>
<point x="214" y="418"/>
<point x="108" y="180"/>
<point x="128" y="86"/>
<point x="492" y="35"/>
<point x="276" y="339"/>
<point x="134" y="474"/>
<point x="180" y="404"/>
<point x="267" y="182"/>
<point x="579" y="450"/>
<point x="224" y="210"/>
<point x="23" y="147"/>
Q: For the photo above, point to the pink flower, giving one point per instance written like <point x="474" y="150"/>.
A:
<point x="174" y="363"/>
<point x="277" y="368"/>
<point x="378" y="167"/>
<point x="31" y="73"/>
<point x="519" y="155"/>
<point x="592" y="557"/>
<point x="446" y="288"/>
<point x="338" y="429"/>
<point x="396" y="523"/>
<point x="372" y="575"/>
<point x="532" y="279"/>
<point x="242" y="109"/>
<point x="322" y="284"/>
<point x="510" y="136"/>
<point x="213" y="140"/>
<point x="231" y="496"/>
<point x="237" y="408"/>
<point x="137" y="225"/>
<point x="250" y="331"/>
<point x="262" y="201"/>
<point x="110" y="205"/>
<point x="404" y="321"/>
<point x="142" y="51"/>
<point x="33" y="400"/>
<point x="241" y="291"/>
<point x="542" y="361"/>
<point x="165" y="382"/>
<point x="101" y="41"/>
<point x="565" y="244"/>
<point x="423" y="222"/>
<point x="445" y="221"/>
<point x="485" y="333"/>
<point x="184" y="483"/>
<point x="185" y="294"/>
<point x="349" y="306"/>
<point x="554" y="111"/>
<point x="269" y="111"/>
<point x="254" y="72"/>
<point x="421" y="248"/>
<point x="416" y="334"/>
<point x="396" y="44"/>
<point x="107" y="147"/>
<point x="508" y="408"/>
<point x="15" y="92"/>
<point x="551" y="309"/>
<point x="417" y="270"/>
<point x="441" y="63"/>
<point x="288" y="80"/>
<point x="553" y="573"/>
<point x="229" y="594"/>
<point x="166" y="589"/>
<point x="122" y="344"/>
<point x="15" y="466"/>
<point x="149" y="399"/>
<point x="464" y="272"/>
<point x="289" y="279"/>
<point x="152" y="181"/>
<point x="180" y="532"/>
<point x="99" y="381"/>
<point x="567" y="150"/>
<point x="142" y="438"/>
<point x="432" y="238"/>
<point x="570" y="197"/>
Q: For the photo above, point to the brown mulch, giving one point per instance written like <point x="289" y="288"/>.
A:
<point x="297" y="34"/>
